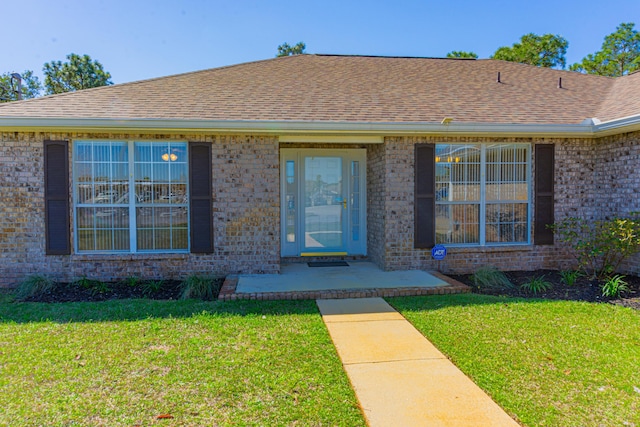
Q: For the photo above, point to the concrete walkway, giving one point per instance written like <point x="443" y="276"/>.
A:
<point x="399" y="377"/>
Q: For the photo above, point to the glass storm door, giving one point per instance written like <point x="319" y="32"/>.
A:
<point x="321" y="202"/>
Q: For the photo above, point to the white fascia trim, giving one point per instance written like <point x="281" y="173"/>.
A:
<point x="612" y="127"/>
<point x="324" y="131"/>
<point x="295" y="127"/>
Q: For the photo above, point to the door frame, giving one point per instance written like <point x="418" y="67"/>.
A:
<point x="355" y="240"/>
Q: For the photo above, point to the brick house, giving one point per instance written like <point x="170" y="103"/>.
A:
<point x="241" y="168"/>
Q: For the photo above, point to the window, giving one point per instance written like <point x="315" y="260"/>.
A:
<point x="482" y="193"/>
<point x="131" y="196"/>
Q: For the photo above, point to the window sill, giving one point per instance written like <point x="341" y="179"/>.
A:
<point x="488" y="249"/>
<point x="128" y="256"/>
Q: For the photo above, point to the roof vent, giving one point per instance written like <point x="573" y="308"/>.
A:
<point x="559" y="82"/>
<point x="498" y="81"/>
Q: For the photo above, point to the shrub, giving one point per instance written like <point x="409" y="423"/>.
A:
<point x="132" y="281"/>
<point x="199" y="287"/>
<point x="569" y="277"/>
<point x="34" y="285"/>
<point x="536" y="284"/>
<point x="600" y="246"/>
<point x="150" y="287"/>
<point x="492" y="279"/>
<point x="614" y="286"/>
<point x="93" y="286"/>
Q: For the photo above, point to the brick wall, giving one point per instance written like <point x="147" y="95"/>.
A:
<point x="246" y="208"/>
<point x="376" y="198"/>
<point x="617" y="175"/>
<point x="617" y="181"/>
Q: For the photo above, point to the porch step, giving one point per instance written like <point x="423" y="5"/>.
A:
<point x="228" y="291"/>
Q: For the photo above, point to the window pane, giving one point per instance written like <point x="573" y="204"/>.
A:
<point x="457" y="224"/>
<point x="506" y="172"/>
<point x="120" y="152"/>
<point x="457" y="173"/>
<point x="354" y="198"/>
<point x="160" y="172"/>
<point x="101" y="151"/>
<point x="102" y="229"/>
<point x="179" y="172"/>
<point x="120" y="172"/>
<point x="180" y="238"/>
<point x="290" y="200"/>
<point x="142" y="152"/>
<point x="506" y="223"/>
<point x="83" y="152"/>
<point x="162" y="228"/>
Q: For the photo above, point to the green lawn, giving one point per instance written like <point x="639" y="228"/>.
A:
<point x="124" y="363"/>
<point x="547" y="363"/>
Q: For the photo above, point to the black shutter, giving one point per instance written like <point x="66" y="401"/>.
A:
<point x="200" y="198"/>
<point x="544" y="208"/>
<point x="424" y="200"/>
<point x="56" y="198"/>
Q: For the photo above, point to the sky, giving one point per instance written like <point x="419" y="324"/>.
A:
<point x="142" y="39"/>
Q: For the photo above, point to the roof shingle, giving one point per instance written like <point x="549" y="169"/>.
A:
<point x="330" y="88"/>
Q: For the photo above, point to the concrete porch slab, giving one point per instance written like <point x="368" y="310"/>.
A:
<point x="358" y="275"/>
<point x="360" y="280"/>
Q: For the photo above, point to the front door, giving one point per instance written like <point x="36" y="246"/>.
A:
<point x="323" y="202"/>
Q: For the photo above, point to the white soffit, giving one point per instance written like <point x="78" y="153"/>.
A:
<point x="333" y="139"/>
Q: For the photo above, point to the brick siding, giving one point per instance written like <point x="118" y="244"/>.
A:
<point x="594" y="179"/>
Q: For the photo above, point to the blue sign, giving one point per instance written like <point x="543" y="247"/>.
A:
<point x="438" y="252"/>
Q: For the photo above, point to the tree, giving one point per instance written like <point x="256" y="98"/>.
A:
<point x="30" y="86"/>
<point x="619" y="55"/>
<point x="462" y="54"/>
<point x="548" y="50"/>
<point x="80" y="72"/>
<point x="285" y="50"/>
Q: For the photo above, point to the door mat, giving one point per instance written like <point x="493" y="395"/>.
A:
<point x="328" y="264"/>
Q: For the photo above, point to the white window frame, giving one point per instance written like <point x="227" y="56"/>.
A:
<point x="132" y="204"/>
<point x="483" y="202"/>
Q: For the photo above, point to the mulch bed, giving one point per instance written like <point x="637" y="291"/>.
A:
<point x="583" y="290"/>
<point x="73" y="292"/>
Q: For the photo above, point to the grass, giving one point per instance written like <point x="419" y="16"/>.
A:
<point x="124" y="363"/>
<point x="557" y="363"/>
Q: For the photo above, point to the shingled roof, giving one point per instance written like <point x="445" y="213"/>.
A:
<point x="363" y="89"/>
